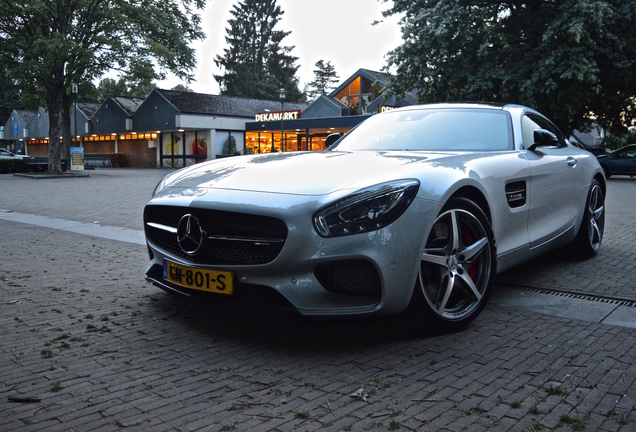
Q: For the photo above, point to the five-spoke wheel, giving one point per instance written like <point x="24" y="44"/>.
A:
<point x="457" y="267"/>
<point x="590" y="235"/>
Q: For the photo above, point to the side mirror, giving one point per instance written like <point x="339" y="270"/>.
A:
<point x="332" y="138"/>
<point x="544" y="138"/>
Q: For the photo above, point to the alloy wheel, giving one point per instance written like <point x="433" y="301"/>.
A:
<point x="596" y="217"/>
<point x="455" y="268"/>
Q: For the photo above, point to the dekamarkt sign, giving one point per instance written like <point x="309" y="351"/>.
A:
<point x="273" y="116"/>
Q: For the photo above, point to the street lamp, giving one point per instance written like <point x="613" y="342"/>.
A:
<point x="281" y="94"/>
<point x="75" y="91"/>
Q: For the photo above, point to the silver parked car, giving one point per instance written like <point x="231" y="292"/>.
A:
<point x="415" y="209"/>
<point x="6" y="154"/>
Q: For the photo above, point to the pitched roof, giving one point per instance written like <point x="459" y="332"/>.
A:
<point x="88" y="108"/>
<point x="378" y="77"/>
<point x="128" y="104"/>
<point x="25" y="115"/>
<point x="200" y="103"/>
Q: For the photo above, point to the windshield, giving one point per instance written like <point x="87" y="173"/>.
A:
<point x="447" y="129"/>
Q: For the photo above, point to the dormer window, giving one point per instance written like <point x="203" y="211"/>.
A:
<point x="358" y="95"/>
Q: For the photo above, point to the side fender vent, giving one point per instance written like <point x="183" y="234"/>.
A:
<point x="516" y="194"/>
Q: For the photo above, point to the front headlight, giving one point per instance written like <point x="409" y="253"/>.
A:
<point x="367" y="209"/>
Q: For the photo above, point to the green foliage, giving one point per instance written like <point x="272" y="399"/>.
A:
<point x="182" y="88"/>
<point x="9" y="95"/>
<point x="47" y="45"/>
<point x="573" y="60"/>
<point x="325" y="78"/>
<point x="619" y="139"/>
<point x="255" y="65"/>
<point x="139" y="88"/>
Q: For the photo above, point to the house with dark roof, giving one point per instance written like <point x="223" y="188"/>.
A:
<point x="115" y="115"/>
<point x="83" y="112"/>
<point x="194" y="126"/>
<point x="175" y="128"/>
<point x="16" y="129"/>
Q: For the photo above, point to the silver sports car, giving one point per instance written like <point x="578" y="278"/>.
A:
<point x="414" y="210"/>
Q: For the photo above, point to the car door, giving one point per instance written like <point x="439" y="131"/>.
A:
<point x="556" y="193"/>
<point x="623" y="162"/>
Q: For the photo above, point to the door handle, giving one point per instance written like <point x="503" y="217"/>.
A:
<point x="571" y="162"/>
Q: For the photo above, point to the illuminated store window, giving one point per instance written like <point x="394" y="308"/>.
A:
<point x="358" y="95"/>
<point x="229" y="143"/>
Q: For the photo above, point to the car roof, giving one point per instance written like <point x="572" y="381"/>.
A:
<point x="469" y="105"/>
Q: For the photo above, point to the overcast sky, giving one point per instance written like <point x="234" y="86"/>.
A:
<point x="338" y="31"/>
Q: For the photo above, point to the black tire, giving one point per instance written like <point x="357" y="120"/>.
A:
<point x="457" y="269"/>
<point x="590" y="236"/>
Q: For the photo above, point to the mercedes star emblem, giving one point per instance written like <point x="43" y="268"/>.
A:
<point x="190" y="234"/>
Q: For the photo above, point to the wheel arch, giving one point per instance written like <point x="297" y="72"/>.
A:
<point x="607" y="173"/>
<point x="475" y="195"/>
<point x="601" y="179"/>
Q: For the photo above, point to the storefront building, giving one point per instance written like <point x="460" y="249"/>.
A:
<point x="173" y="129"/>
<point x="353" y="101"/>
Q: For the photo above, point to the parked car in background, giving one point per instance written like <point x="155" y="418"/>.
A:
<point x="6" y="154"/>
<point x="619" y="162"/>
<point x="415" y="210"/>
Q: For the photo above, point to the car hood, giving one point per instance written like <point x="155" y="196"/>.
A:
<point x="303" y="173"/>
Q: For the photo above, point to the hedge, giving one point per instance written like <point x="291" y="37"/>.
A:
<point x="11" y="166"/>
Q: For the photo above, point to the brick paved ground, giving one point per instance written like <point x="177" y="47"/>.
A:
<point x="111" y="197"/>
<point x="105" y="351"/>
<point x="612" y="273"/>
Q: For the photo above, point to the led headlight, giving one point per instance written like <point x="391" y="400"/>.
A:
<point x="367" y="209"/>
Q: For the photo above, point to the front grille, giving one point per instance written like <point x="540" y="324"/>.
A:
<point x="230" y="238"/>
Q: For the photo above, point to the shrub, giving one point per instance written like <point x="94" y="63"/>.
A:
<point x="11" y="166"/>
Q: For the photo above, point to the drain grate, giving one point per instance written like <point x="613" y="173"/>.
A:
<point x="573" y="295"/>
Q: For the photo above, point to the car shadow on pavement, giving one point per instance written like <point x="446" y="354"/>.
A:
<point x="279" y="329"/>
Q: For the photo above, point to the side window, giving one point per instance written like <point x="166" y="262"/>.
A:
<point x="532" y="122"/>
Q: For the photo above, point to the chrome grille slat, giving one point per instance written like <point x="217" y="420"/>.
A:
<point x="163" y="227"/>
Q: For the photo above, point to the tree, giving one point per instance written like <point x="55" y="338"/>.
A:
<point x="255" y="65"/>
<point x="9" y="95"/>
<point x="48" y="45"/>
<point x="573" y="60"/>
<point x="125" y="87"/>
<point x="182" y="88"/>
<point x="325" y="78"/>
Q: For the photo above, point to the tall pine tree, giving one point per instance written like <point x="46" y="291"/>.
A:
<point x="255" y="65"/>
<point x="325" y="78"/>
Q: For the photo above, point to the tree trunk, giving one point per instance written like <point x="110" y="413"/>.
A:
<point x="66" y="128"/>
<point x="54" y="106"/>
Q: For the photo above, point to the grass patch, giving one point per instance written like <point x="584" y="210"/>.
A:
<point x="553" y="390"/>
<point x="393" y="425"/>
<point x="56" y="387"/>
<point x="576" y="423"/>
<point x="94" y="329"/>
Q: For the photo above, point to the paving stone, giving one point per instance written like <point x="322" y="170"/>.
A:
<point x="139" y="359"/>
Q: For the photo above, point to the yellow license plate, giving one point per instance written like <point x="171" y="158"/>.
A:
<point x="216" y="281"/>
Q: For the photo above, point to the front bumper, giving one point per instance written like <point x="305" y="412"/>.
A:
<point x="361" y="274"/>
